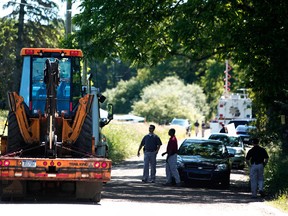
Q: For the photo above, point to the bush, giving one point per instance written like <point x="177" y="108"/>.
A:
<point x="276" y="174"/>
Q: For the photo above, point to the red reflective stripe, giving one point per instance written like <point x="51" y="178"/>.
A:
<point x="61" y="175"/>
<point x="98" y="176"/>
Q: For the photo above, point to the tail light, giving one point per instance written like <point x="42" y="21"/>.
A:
<point x="98" y="164"/>
<point x="104" y="165"/>
<point x="6" y="163"/>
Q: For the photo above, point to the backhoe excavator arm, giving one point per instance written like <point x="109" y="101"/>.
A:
<point x="30" y="130"/>
<point x="70" y="134"/>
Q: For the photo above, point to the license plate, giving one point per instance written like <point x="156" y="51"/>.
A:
<point x="28" y="163"/>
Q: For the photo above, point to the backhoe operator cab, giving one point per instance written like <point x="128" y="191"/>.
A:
<point x="69" y="78"/>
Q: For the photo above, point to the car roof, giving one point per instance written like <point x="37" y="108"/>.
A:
<point x="224" y="134"/>
<point x="200" y="141"/>
<point x="241" y="121"/>
<point x="246" y="126"/>
<point x="181" y="119"/>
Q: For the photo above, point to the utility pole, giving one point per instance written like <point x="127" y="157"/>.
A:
<point x="68" y="18"/>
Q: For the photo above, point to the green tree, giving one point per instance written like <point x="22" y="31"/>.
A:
<point x="251" y="33"/>
<point x="38" y="25"/>
<point x="161" y="102"/>
<point x="8" y="35"/>
<point x="124" y="95"/>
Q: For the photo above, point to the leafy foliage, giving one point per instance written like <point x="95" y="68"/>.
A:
<point x="37" y="25"/>
<point x="161" y="102"/>
<point x="7" y="56"/>
<point x="123" y="96"/>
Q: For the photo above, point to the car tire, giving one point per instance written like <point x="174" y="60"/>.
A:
<point x="225" y="183"/>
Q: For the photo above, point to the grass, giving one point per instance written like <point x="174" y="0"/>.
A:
<point x="124" y="138"/>
<point x="280" y="203"/>
<point x="3" y="117"/>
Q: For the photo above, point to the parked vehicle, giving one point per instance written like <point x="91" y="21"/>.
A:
<point x="238" y="122"/>
<point x="54" y="141"/>
<point x="245" y="131"/>
<point x="183" y="123"/>
<point x="232" y="108"/>
<point x="205" y="161"/>
<point x="235" y="147"/>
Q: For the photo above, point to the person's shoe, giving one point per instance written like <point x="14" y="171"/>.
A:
<point x="152" y="181"/>
<point x="262" y="194"/>
<point x="144" y="181"/>
<point x="167" y="184"/>
<point x="253" y="197"/>
<point x="179" y="184"/>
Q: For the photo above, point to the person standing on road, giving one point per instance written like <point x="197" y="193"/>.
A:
<point x="257" y="158"/>
<point x="203" y="127"/>
<point x="196" y="125"/>
<point x="171" y="160"/>
<point x="151" y="143"/>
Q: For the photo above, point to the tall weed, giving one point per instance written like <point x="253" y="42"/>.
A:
<point x="124" y="138"/>
<point x="276" y="174"/>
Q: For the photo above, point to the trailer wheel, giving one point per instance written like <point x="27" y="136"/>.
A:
<point x="89" y="191"/>
<point x="15" y="139"/>
<point x="96" y="198"/>
<point x="84" y="141"/>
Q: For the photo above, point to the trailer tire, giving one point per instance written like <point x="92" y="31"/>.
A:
<point x="96" y="198"/>
<point x="15" y="139"/>
<point x="84" y="141"/>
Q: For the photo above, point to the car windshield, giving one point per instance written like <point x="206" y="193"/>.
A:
<point x="206" y="149"/>
<point x="227" y="140"/>
<point x="181" y="122"/>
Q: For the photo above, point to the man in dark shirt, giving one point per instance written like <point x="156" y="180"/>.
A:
<point x="257" y="158"/>
<point x="171" y="161"/>
<point x="196" y="125"/>
<point x="151" y="143"/>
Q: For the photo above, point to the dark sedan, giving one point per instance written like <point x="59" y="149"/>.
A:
<point x="245" y="132"/>
<point x="204" y="160"/>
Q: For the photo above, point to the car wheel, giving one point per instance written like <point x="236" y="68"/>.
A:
<point x="225" y="183"/>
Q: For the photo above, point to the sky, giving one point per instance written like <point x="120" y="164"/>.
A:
<point x="62" y="7"/>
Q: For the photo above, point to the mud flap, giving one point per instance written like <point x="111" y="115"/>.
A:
<point x="89" y="190"/>
<point x="12" y="189"/>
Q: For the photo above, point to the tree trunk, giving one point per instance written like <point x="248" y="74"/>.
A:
<point x="17" y="72"/>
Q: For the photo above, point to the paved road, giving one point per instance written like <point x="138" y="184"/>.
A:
<point x="126" y="187"/>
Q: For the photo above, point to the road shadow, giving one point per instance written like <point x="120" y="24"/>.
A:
<point x="126" y="185"/>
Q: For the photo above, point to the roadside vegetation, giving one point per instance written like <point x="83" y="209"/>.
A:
<point x="3" y="117"/>
<point x="124" y="138"/>
<point x="132" y="50"/>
